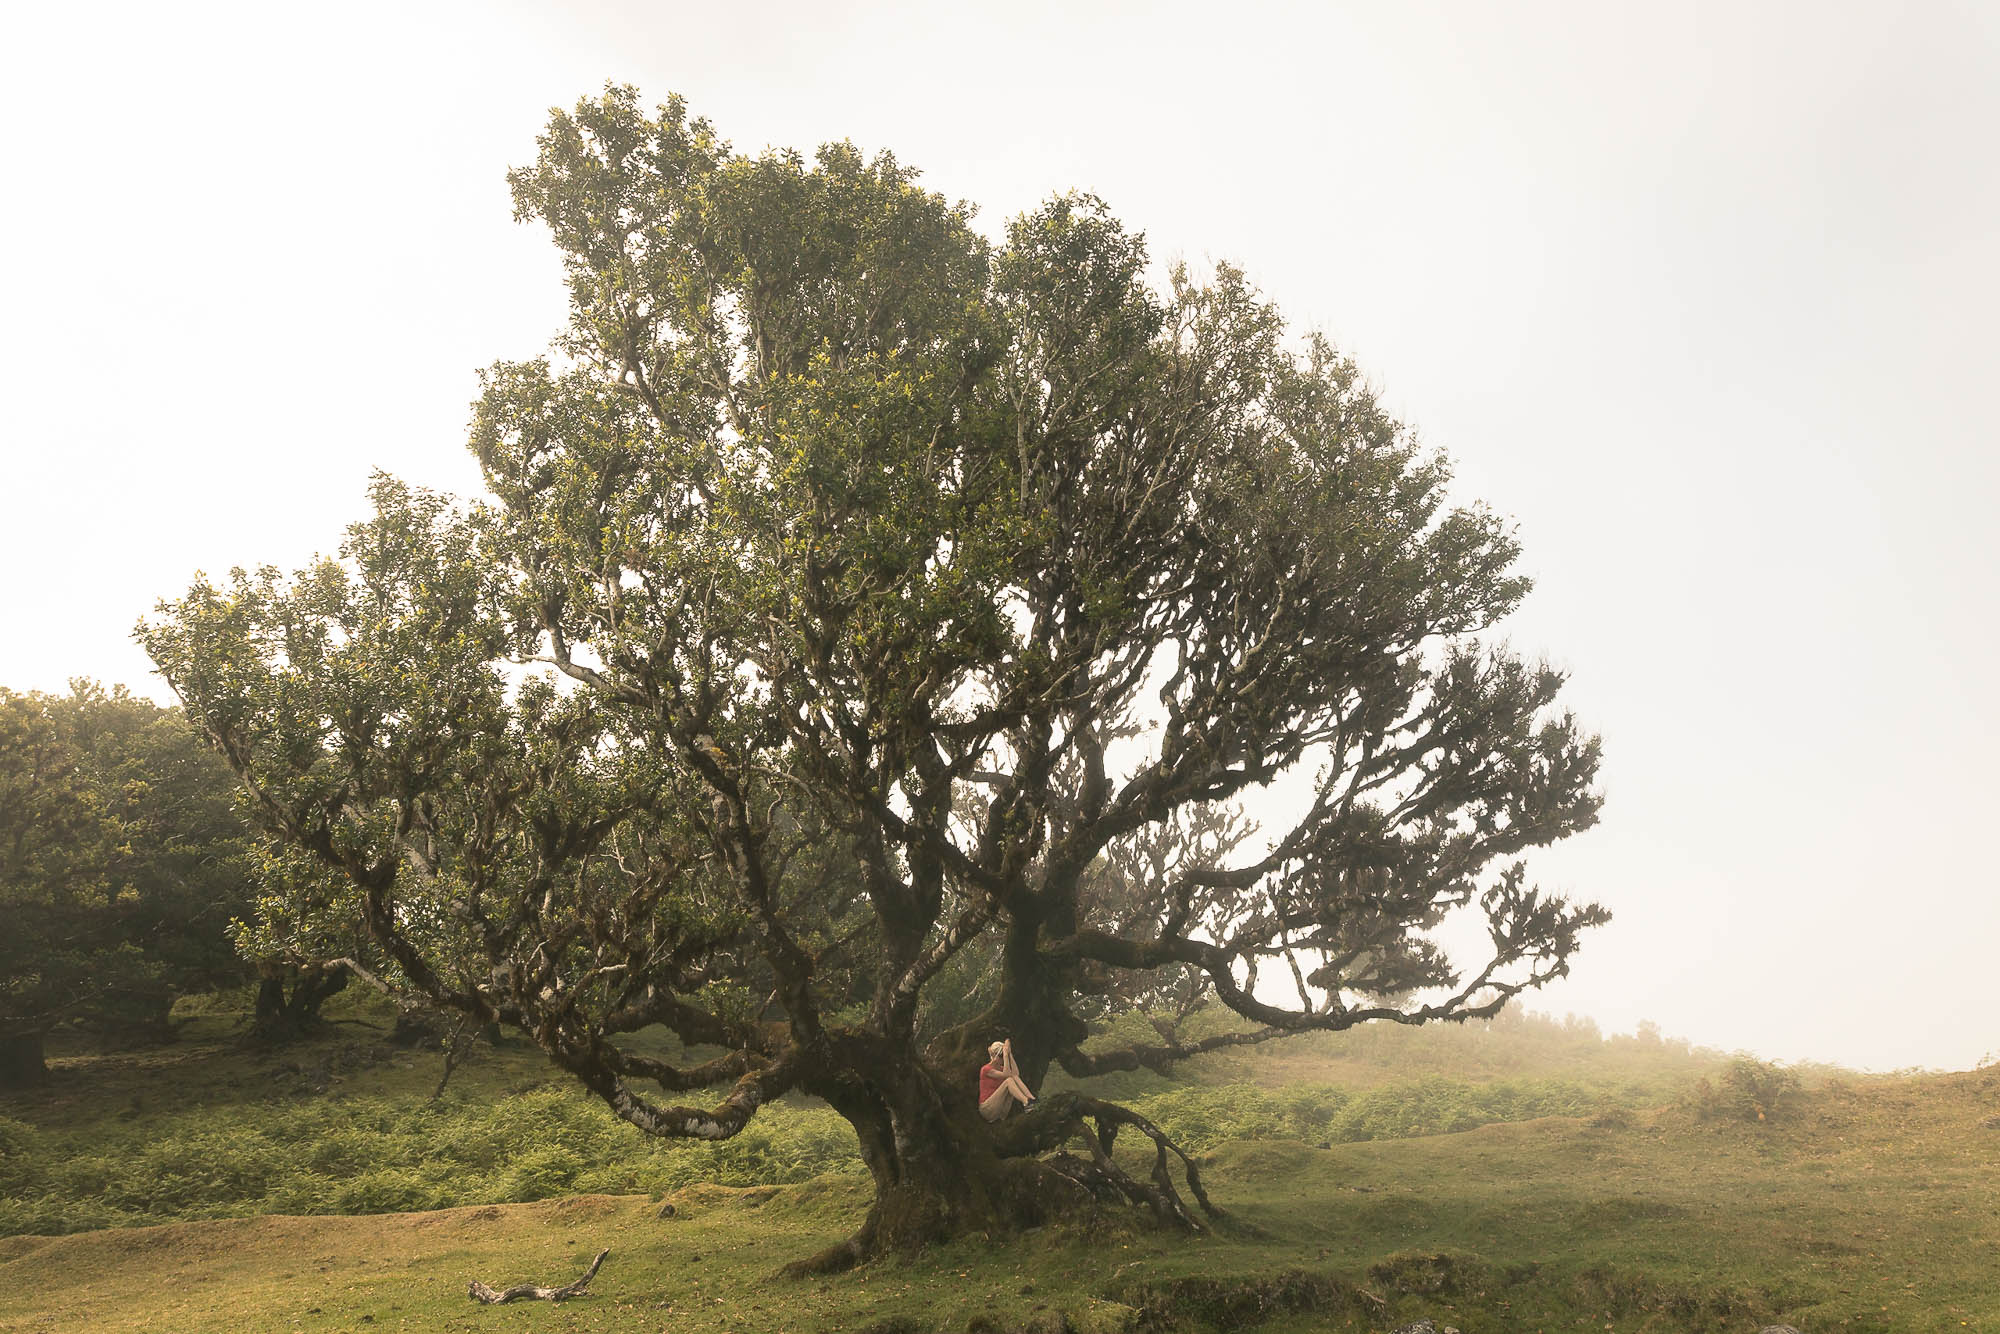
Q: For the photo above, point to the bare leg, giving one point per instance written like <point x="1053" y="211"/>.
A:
<point x="1011" y="1094"/>
<point x="1015" y="1084"/>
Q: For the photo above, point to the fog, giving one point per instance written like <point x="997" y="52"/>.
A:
<point x="1699" y="295"/>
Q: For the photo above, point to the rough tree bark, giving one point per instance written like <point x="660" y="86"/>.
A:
<point x="281" y="1015"/>
<point x="941" y="1170"/>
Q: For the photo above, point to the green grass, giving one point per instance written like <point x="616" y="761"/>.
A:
<point x="1862" y="1205"/>
<point x="1870" y="1208"/>
<point x="213" y="1128"/>
<point x="372" y="1152"/>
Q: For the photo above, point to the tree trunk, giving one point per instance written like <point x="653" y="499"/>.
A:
<point x="937" y="1168"/>
<point x="270" y="1002"/>
<point x="942" y="1171"/>
<point x="22" y="1064"/>
<point x="281" y="1017"/>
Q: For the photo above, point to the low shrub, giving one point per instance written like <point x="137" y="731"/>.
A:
<point x="541" y="1172"/>
<point x="1748" y="1090"/>
<point x="396" y="1190"/>
<point x="21" y="1168"/>
<point x="350" y="1151"/>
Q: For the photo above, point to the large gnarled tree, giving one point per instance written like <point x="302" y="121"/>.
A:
<point x="852" y="590"/>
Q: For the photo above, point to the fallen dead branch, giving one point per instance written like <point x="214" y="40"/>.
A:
<point x="520" y="1292"/>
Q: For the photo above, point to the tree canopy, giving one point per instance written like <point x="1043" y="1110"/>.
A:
<point x="854" y="596"/>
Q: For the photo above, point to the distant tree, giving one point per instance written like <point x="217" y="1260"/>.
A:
<point x="852" y="593"/>
<point x="122" y="863"/>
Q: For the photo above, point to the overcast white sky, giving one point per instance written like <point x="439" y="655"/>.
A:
<point x="1701" y="294"/>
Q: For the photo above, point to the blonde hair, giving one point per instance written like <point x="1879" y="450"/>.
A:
<point x="994" y="1049"/>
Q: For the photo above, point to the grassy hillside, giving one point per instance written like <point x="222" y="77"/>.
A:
<point x="1859" y="1205"/>
<point x="1863" y="1208"/>
<point x="212" y="1128"/>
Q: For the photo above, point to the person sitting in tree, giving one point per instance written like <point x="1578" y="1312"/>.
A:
<point x="1000" y="1084"/>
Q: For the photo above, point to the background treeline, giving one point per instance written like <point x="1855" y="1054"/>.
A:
<point x="124" y="863"/>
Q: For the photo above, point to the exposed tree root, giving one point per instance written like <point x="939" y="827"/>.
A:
<point x="1062" y="1117"/>
<point x="1025" y="1188"/>
<point x="835" y="1259"/>
<point x="479" y="1292"/>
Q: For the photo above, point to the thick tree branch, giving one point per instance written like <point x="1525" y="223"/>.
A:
<point x="1159" y="1059"/>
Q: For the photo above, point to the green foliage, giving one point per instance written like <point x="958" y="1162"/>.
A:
<point x="381" y="1155"/>
<point x="122" y="861"/>
<point x="229" y="1148"/>
<point x="19" y="1169"/>
<point x="1748" y="1090"/>
<point x="391" y="1191"/>
<point x="847" y="584"/>
<point x="1204" y="1116"/>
